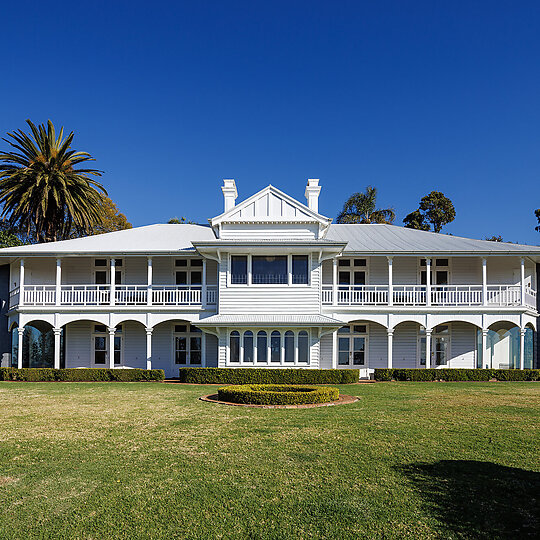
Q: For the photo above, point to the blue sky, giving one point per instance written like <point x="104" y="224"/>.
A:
<point x="171" y="97"/>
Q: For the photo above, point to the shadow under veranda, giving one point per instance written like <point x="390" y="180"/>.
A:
<point x="477" y="499"/>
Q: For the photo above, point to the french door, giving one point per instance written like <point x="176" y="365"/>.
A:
<point x="352" y="342"/>
<point x="439" y="347"/>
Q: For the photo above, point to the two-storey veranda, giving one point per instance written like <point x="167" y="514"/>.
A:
<point x="272" y="283"/>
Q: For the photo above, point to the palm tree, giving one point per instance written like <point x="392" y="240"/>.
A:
<point x="360" y="208"/>
<point x="41" y="191"/>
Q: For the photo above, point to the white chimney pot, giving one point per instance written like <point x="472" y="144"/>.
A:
<point x="312" y="194"/>
<point x="229" y="193"/>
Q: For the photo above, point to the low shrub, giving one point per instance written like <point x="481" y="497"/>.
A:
<point x="273" y="394"/>
<point x="81" y="374"/>
<point x="457" y="374"/>
<point x="268" y="376"/>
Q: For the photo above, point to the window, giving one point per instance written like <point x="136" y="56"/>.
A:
<point x="238" y="269"/>
<point x="101" y="262"/>
<point x="275" y="347"/>
<point x="234" y="347"/>
<point x="300" y="269"/>
<point x="360" y="262"/>
<point x="303" y="347"/>
<point x="248" y="346"/>
<point x="352" y="345"/>
<point x="191" y="275"/>
<point x="100" y="349"/>
<point x="262" y="346"/>
<point x="102" y="271"/>
<point x="289" y="346"/>
<point x="187" y="345"/>
<point x="269" y="270"/>
<point x="344" y="262"/>
<point x="100" y="340"/>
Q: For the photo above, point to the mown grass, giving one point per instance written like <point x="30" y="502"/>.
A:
<point x="149" y="460"/>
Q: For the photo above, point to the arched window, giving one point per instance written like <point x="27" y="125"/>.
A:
<point x="234" y="347"/>
<point x="303" y="347"/>
<point x="289" y="346"/>
<point x="248" y="346"/>
<point x="275" y="347"/>
<point x="262" y="346"/>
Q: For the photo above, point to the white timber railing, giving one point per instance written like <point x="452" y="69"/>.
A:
<point x="124" y="295"/>
<point x="417" y="295"/>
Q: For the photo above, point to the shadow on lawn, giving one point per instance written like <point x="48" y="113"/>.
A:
<point x="477" y="499"/>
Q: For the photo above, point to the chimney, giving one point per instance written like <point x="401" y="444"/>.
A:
<point x="229" y="193"/>
<point x="312" y="194"/>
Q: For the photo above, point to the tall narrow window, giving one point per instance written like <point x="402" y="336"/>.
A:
<point x="262" y="346"/>
<point x="275" y="347"/>
<point x="234" y="347"/>
<point x="289" y="346"/>
<point x="269" y="270"/>
<point x="195" y="350"/>
<point x="180" y="345"/>
<point x="100" y="349"/>
<point x="248" y="346"/>
<point x="300" y="269"/>
<point x="303" y="347"/>
<point x="238" y="269"/>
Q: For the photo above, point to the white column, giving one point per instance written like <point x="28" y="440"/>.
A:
<point x="390" y="282"/>
<point x="113" y="281"/>
<point x="111" y="347"/>
<point x="296" y="347"/>
<point x="282" y="355"/>
<point x="21" y="283"/>
<point x="428" y="282"/>
<point x="428" y="348"/>
<point x="484" y="348"/>
<point x="289" y="269"/>
<point x="149" y="348"/>
<point x="203" y="299"/>
<point x="149" y="282"/>
<point x="334" y="281"/>
<point x="58" y="281"/>
<point x="20" y="331"/>
<point x="390" y="333"/>
<point x="484" y="282"/>
<point x="522" y="348"/>
<point x="334" y="349"/>
<point x="522" y="268"/>
<point x="57" y="333"/>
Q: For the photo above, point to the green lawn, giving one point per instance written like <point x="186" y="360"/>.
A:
<point x="408" y="460"/>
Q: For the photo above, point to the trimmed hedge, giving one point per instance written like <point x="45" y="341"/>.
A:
<point x="457" y="374"/>
<point x="268" y="376"/>
<point x="81" y="374"/>
<point x="273" y="394"/>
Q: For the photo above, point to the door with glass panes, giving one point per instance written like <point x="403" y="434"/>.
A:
<point x="187" y="344"/>
<point x="188" y="272"/>
<point x="102" y="271"/>
<point x="351" y="341"/>
<point x="439" y="346"/>
<point x="440" y="272"/>
<point x="100" y="346"/>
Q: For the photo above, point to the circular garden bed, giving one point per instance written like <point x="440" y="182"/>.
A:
<point x="277" y="394"/>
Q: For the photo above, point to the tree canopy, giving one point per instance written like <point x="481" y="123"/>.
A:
<point x="42" y="191"/>
<point x="111" y="218"/>
<point x="435" y="209"/>
<point x="361" y="208"/>
<point x="181" y="221"/>
<point x="537" y="214"/>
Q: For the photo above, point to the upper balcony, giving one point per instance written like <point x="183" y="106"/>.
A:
<point x="118" y="295"/>
<point x="418" y="296"/>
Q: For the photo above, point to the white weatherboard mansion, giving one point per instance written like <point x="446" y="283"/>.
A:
<point x="272" y="283"/>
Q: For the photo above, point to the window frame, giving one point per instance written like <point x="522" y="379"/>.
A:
<point x="249" y="281"/>
<point x="188" y="334"/>
<point x="269" y="330"/>
<point x="98" y="333"/>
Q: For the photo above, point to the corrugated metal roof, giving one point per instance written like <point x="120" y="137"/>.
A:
<point x="160" y="238"/>
<point x="393" y="239"/>
<point x="269" y="320"/>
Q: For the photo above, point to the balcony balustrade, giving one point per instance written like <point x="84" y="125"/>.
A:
<point x="417" y="295"/>
<point x="124" y="295"/>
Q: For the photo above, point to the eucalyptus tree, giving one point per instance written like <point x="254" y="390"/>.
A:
<point x="44" y="191"/>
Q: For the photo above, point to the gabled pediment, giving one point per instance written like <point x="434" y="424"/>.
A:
<point x="270" y="205"/>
